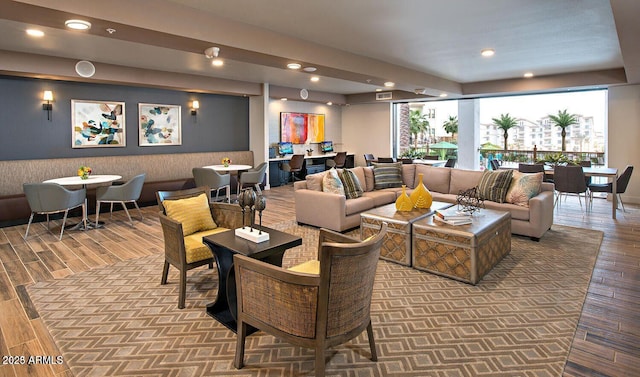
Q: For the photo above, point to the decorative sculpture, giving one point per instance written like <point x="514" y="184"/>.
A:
<point x="469" y="201"/>
<point x="248" y="201"/>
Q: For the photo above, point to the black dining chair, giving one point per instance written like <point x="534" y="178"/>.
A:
<point x="368" y="159"/>
<point x="451" y="163"/>
<point x="495" y="165"/>
<point x="569" y="180"/>
<point x="386" y="159"/>
<point x="621" y="186"/>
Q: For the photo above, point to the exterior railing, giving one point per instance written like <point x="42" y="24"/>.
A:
<point x="530" y="156"/>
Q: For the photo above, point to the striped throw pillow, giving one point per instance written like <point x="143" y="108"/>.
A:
<point x="494" y="185"/>
<point x="351" y="184"/>
<point x="387" y="175"/>
<point x="193" y="213"/>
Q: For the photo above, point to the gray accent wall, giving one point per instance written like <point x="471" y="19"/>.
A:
<point x="222" y="122"/>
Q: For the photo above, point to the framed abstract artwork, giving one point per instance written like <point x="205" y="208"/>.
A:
<point x="97" y="124"/>
<point x="159" y="125"/>
<point x="301" y="128"/>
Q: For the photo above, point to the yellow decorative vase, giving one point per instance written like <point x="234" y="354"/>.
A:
<point x="404" y="203"/>
<point x="421" y="197"/>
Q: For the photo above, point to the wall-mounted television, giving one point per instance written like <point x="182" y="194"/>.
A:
<point x="285" y="147"/>
<point x="326" y="146"/>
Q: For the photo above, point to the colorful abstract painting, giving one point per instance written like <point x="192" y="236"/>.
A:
<point x="159" y="125"/>
<point x="301" y="128"/>
<point x="97" y="124"/>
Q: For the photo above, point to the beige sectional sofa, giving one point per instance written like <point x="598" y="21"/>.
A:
<point x="334" y="211"/>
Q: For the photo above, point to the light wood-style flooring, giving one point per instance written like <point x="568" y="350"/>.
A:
<point x="607" y="340"/>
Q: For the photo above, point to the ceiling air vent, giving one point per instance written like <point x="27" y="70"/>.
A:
<point x="384" y="96"/>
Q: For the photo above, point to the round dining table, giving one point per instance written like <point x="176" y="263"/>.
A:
<point x="77" y="181"/>
<point x="231" y="167"/>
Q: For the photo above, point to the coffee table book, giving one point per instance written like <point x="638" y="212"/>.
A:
<point x="455" y="221"/>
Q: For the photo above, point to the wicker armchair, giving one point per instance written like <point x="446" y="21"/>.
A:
<point x="179" y="253"/>
<point x="316" y="310"/>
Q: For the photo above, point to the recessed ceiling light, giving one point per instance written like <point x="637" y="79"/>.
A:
<point x="487" y="52"/>
<point x="309" y="69"/>
<point x="443" y="94"/>
<point x="283" y="99"/>
<point x="78" y="24"/>
<point x="217" y="62"/>
<point x="378" y="90"/>
<point x="35" y="33"/>
<point x="315" y="78"/>
<point x="294" y="65"/>
<point x="528" y="75"/>
<point x="329" y="103"/>
<point x="389" y="84"/>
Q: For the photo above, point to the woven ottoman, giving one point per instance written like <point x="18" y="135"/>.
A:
<point x="464" y="252"/>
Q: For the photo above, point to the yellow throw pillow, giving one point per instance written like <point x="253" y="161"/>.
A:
<point x="193" y="213"/>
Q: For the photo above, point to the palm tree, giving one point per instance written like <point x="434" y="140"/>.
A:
<point x="563" y="120"/>
<point x="505" y="122"/>
<point x="418" y="124"/>
<point x="451" y="126"/>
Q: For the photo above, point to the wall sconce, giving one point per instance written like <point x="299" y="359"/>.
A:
<point x="195" y="105"/>
<point x="47" y="96"/>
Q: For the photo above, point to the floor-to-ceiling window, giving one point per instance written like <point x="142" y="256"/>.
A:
<point x="430" y="128"/>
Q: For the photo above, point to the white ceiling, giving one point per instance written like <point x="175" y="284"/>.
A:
<point x="415" y="43"/>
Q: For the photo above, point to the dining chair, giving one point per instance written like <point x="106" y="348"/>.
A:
<point x="451" y="163"/>
<point x="586" y="164"/>
<point x="406" y="160"/>
<point x="295" y="165"/>
<point x="213" y="180"/>
<point x="386" y="159"/>
<point x="49" y="198"/>
<point x="338" y="161"/>
<point x="253" y="177"/>
<point x="123" y="194"/>
<point x="430" y="157"/>
<point x="319" y="304"/>
<point x="621" y="186"/>
<point x="530" y="168"/>
<point x="495" y="164"/>
<point x="368" y="159"/>
<point x="569" y="180"/>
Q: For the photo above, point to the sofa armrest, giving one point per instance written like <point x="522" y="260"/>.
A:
<point x="541" y="211"/>
<point x="300" y="185"/>
<point x="321" y="209"/>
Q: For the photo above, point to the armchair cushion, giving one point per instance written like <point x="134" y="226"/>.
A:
<point x="195" y="249"/>
<point x="193" y="213"/>
<point x="308" y="267"/>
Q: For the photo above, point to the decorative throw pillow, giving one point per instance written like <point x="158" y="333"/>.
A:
<point x="193" y="213"/>
<point x="332" y="183"/>
<point x="351" y="184"/>
<point x="494" y="185"/>
<point x="524" y="187"/>
<point x="387" y="175"/>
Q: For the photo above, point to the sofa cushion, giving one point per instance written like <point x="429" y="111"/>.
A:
<point x="359" y="172"/>
<point x="193" y="213"/>
<point x="524" y="187"/>
<point x="387" y="175"/>
<point x="517" y="212"/>
<point x="494" y="185"/>
<point x="436" y="179"/>
<point x="369" y="179"/>
<point x="354" y="206"/>
<point x="408" y="175"/>
<point x="351" y="184"/>
<point x="462" y="180"/>
<point x="331" y="182"/>
<point x="314" y="181"/>
<point x="381" y="197"/>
